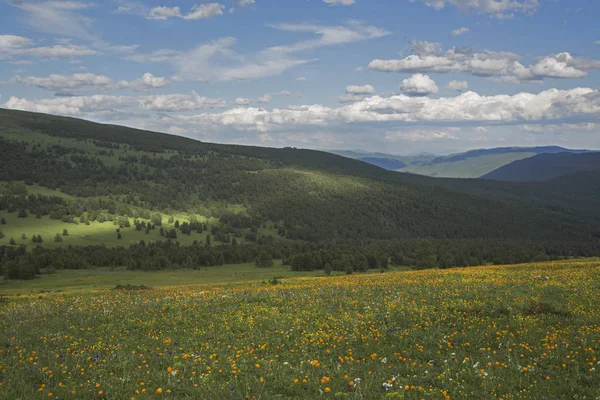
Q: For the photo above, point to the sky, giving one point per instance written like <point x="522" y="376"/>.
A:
<point x="394" y="76"/>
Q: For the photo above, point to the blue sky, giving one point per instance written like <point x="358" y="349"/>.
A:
<point x="399" y="76"/>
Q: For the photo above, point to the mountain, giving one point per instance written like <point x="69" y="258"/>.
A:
<point x="385" y="163"/>
<point x="476" y="163"/>
<point x="66" y="183"/>
<point x="390" y="162"/>
<point x="546" y="167"/>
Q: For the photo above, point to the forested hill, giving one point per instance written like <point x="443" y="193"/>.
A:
<point x="308" y="194"/>
<point x="68" y="182"/>
<point x="546" y="167"/>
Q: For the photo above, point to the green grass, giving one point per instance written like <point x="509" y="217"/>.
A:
<point x="473" y="167"/>
<point x="518" y="332"/>
<point x="105" y="278"/>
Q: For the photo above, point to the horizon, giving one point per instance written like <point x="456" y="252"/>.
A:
<point x="400" y="78"/>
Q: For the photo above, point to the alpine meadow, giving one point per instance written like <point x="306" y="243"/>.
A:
<point x="332" y="199"/>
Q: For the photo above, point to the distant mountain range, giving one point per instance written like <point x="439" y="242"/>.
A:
<point x="546" y="167"/>
<point x="470" y="164"/>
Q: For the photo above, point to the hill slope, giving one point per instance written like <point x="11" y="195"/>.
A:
<point x="476" y="163"/>
<point x="545" y="167"/>
<point x="91" y="180"/>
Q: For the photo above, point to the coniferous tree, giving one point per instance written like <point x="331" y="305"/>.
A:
<point x="424" y="255"/>
<point x="58" y="238"/>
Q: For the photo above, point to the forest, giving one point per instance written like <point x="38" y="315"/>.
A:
<point x="170" y="202"/>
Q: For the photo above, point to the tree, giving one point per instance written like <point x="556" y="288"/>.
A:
<point x="23" y="236"/>
<point x="264" y="260"/>
<point x="22" y="213"/>
<point x="207" y="240"/>
<point x="327" y="269"/>
<point x="177" y="224"/>
<point x="1" y="234"/>
<point x="12" y="242"/>
<point x="119" y="236"/>
<point x="3" y="221"/>
<point x="58" y="238"/>
<point x="424" y="255"/>
<point x="171" y="219"/>
<point x="65" y="232"/>
<point x="39" y="239"/>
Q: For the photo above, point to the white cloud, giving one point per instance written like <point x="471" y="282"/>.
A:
<point x="339" y="2"/>
<point x="99" y="104"/>
<point x="15" y="46"/>
<point x="366" y="89"/>
<point x="218" y="60"/>
<point x="504" y="66"/>
<point x="422" y="135"/>
<point x="241" y="101"/>
<point x="496" y="8"/>
<point x="199" y="11"/>
<point x="146" y="82"/>
<point x="460" y="31"/>
<point x="349" y="99"/>
<point x="61" y="18"/>
<point x="552" y="104"/>
<point x="419" y="85"/>
<point x="459" y="86"/>
<point x="162" y="12"/>
<point x="58" y="51"/>
<point x="560" y="128"/>
<point x="301" y="79"/>
<point x="11" y="42"/>
<point x="244" y="3"/>
<point x="68" y="83"/>
<point x="265" y="99"/>
<point x="205" y="11"/>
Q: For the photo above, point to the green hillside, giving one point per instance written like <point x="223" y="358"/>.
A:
<point x="472" y="167"/>
<point x="546" y="167"/>
<point x="151" y="201"/>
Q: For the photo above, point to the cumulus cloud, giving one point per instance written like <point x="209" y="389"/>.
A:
<point x="419" y="85"/>
<point x="241" y="101"/>
<point x="14" y="46"/>
<point x="366" y="89"/>
<point x="200" y="11"/>
<point x="99" y="104"/>
<point x="9" y="42"/>
<point x="460" y="31"/>
<point x="468" y="107"/>
<point x="163" y="12"/>
<point x="503" y="66"/>
<point x="496" y="8"/>
<point x="265" y="99"/>
<point x="68" y="83"/>
<point x="459" y="86"/>
<point x="339" y="2"/>
<point x="205" y="11"/>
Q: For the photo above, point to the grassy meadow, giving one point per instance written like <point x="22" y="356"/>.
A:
<point x="507" y="332"/>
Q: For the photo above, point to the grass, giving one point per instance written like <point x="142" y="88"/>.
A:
<point x="105" y="278"/>
<point x="96" y="233"/>
<point x="510" y="332"/>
